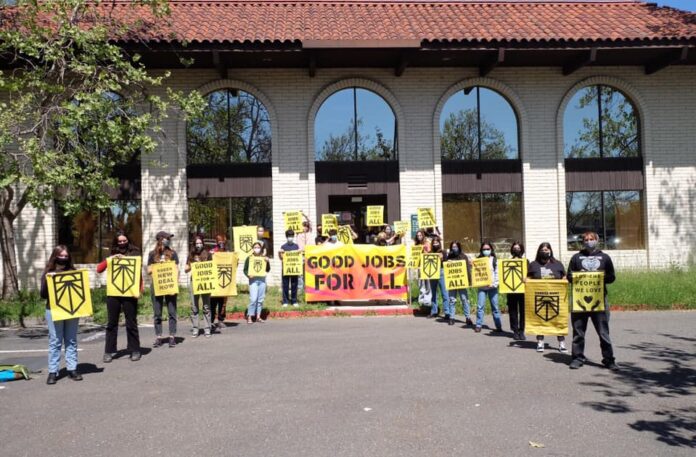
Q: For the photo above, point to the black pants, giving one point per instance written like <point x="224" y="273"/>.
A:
<point x="157" y="305"/>
<point x="129" y="306"/>
<point x="601" y="324"/>
<point x="515" y="303"/>
<point x="290" y="289"/>
<point x="217" y="308"/>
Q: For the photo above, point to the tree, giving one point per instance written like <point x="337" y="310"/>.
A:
<point x="342" y="147"/>
<point x="62" y="131"/>
<point x="460" y="138"/>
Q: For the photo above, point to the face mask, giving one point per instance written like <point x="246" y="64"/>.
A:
<point x="455" y="250"/>
<point x="199" y="247"/>
<point x="333" y="238"/>
<point x="291" y="239"/>
<point x="221" y="245"/>
<point x="166" y="243"/>
<point x="589" y="244"/>
<point x="545" y="255"/>
<point x="436" y="247"/>
<point x="516" y="252"/>
<point x="122" y="247"/>
<point x="257" y="251"/>
<point x="486" y="252"/>
<point x="62" y="260"/>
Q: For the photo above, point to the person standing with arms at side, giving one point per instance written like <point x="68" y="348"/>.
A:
<point x="455" y="253"/>
<point x="257" y="286"/>
<point x="163" y="252"/>
<point x="64" y="331"/>
<point x="261" y="237"/>
<point x="592" y="259"/>
<point x="488" y="251"/>
<point x="515" y="302"/>
<point x="121" y="247"/>
<point x="424" y="292"/>
<point x="545" y="266"/>
<point x="289" y="282"/>
<point x="218" y="305"/>
<point x="198" y="254"/>
<point x="440" y="283"/>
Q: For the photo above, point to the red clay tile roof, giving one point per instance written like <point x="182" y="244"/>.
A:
<point x="511" y="21"/>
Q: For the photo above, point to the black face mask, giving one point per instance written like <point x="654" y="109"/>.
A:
<point x="122" y="248"/>
<point x="546" y="255"/>
<point x="516" y="252"/>
<point x="60" y="261"/>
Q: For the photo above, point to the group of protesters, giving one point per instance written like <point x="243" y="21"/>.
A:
<point x="544" y="266"/>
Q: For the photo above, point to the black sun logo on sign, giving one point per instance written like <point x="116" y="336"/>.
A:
<point x="430" y="265"/>
<point x="344" y="235"/>
<point x="512" y="274"/>
<point x="258" y="266"/>
<point x="224" y="276"/>
<point x="547" y="308"/>
<point x="246" y="242"/>
<point x="70" y="291"/>
<point x="123" y="274"/>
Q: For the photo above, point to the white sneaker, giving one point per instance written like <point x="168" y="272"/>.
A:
<point x="540" y="346"/>
<point x="285" y="305"/>
<point x="562" y="347"/>
<point x="296" y="305"/>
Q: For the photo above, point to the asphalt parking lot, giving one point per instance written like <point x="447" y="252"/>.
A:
<point x="376" y="386"/>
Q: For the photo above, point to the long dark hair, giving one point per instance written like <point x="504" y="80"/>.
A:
<point x="545" y="244"/>
<point x="517" y="243"/>
<point x="485" y="242"/>
<point x="51" y="264"/>
<point x="130" y="249"/>
<point x="421" y="231"/>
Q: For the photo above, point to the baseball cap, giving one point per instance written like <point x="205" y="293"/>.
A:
<point x="162" y="234"/>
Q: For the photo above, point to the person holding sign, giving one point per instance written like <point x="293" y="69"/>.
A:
<point x="545" y="266"/>
<point x="257" y="282"/>
<point x="163" y="252"/>
<point x="121" y="247"/>
<point x="424" y="292"/>
<point x="218" y="305"/>
<point x="455" y="253"/>
<point x="515" y="302"/>
<point x="488" y="251"/>
<point x="592" y="259"/>
<point x="440" y="283"/>
<point x="289" y="281"/>
<point x="62" y="331"/>
<point x="199" y="254"/>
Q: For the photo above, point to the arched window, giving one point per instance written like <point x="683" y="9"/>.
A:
<point x="600" y="121"/>
<point x="478" y="123"/>
<point x="235" y="128"/>
<point x="604" y="169"/>
<point x="355" y="124"/>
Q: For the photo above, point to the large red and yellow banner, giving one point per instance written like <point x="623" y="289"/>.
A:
<point x="355" y="272"/>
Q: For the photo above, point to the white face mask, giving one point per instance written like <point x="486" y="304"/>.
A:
<point x="257" y="251"/>
<point x="291" y="239"/>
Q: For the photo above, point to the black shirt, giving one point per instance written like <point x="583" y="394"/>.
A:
<point x="553" y="269"/>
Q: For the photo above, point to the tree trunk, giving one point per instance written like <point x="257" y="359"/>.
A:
<point x="10" y="282"/>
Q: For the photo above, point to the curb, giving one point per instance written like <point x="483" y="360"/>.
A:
<point x="381" y="312"/>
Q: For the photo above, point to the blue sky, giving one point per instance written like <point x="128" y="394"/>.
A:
<point x="687" y="5"/>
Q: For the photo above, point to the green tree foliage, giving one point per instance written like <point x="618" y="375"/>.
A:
<point x="460" y="138"/>
<point x="73" y="105"/>
<point x="343" y="147"/>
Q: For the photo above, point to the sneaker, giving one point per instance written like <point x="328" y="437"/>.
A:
<point x="207" y="333"/>
<point x="451" y="321"/>
<point x="74" y="375"/>
<point x="469" y="322"/>
<point x="562" y="347"/>
<point x="285" y="305"/>
<point x="296" y="305"/>
<point x="172" y="341"/>
<point x="107" y="357"/>
<point x="52" y="378"/>
<point x="157" y="342"/>
<point x="540" y="346"/>
<point x="612" y="366"/>
<point x="521" y="337"/>
<point x="194" y="333"/>
<point x="135" y="356"/>
<point x="575" y="364"/>
<point x="477" y="330"/>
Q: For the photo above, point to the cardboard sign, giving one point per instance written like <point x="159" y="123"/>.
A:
<point x="328" y="222"/>
<point x="226" y="268"/>
<point x="402" y="228"/>
<point x="344" y="234"/>
<point x="414" y="256"/>
<point x="293" y="221"/>
<point x="355" y="272"/>
<point x="481" y="272"/>
<point x="257" y="267"/>
<point x="426" y="218"/>
<point x="375" y="216"/>
<point x="123" y="276"/>
<point x="292" y="263"/>
<point x="430" y="266"/>
<point x="456" y="275"/>
<point x="69" y="295"/>
<point x="244" y="239"/>
<point x="165" y="278"/>
<point x="546" y="307"/>
<point x="203" y="277"/>
<point x="588" y="291"/>
<point x="511" y="273"/>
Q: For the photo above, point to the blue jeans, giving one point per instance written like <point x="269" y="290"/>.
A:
<point x="463" y="297"/>
<point x="257" y="293"/>
<point x="434" y="284"/>
<point x="493" y="297"/>
<point x="59" y="332"/>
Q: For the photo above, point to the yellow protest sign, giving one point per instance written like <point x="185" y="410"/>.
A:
<point x="345" y="235"/>
<point x="165" y="278"/>
<point x="244" y="239"/>
<point x="430" y="266"/>
<point x="123" y="276"/>
<point x="226" y="268"/>
<point x="257" y="267"/>
<point x="293" y="220"/>
<point x="546" y="307"/>
<point x="375" y="216"/>
<point x="69" y="295"/>
<point x="481" y="273"/>
<point x="414" y="256"/>
<point x="588" y="291"/>
<point x="402" y="228"/>
<point x="203" y="277"/>
<point x="328" y="222"/>
<point x="511" y="273"/>
<point x="456" y="275"/>
<point x="292" y="263"/>
<point x="426" y="218"/>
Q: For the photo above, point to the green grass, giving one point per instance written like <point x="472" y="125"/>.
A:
<point x="664" y="289"/>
